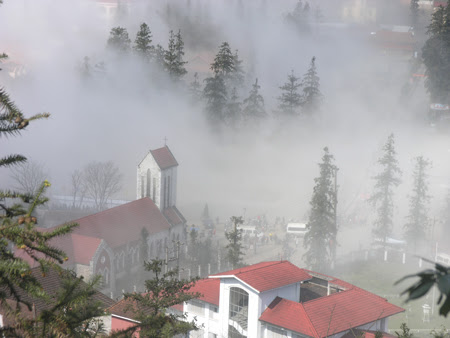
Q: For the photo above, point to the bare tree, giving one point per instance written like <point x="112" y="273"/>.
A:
<point x="29" y="176"/>
<point x="78" y="189"/>
<point x="101" y="181"/>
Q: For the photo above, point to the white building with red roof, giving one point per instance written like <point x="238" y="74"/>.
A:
<point x="278" y="299"/>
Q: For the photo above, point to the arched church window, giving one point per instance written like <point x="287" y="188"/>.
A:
<point x="168" y="192"/>
<point x="148" y="183"/>
<point x="142" y="186"/>
<point x="154" y="189"/>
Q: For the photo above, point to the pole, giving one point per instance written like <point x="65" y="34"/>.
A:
<point x="167" y="258"/>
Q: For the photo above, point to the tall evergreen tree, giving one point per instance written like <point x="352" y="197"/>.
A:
<point x="254" y="104"/>
<point x="414" y="12"/>
<point x="233" y="110"/>
<point x="436" y="55"/>
<point x="143" y="43"/>
<point x="237" y="75"/>
<point x="418" y="221"/>
<point x="320" y="238"/>
<point x="195" y="88"/>
<point x="290" y="100"/>
<point x="215" y="94"/>
<point x="311" y="89"/>
<point x="173" y="56"/>
<point x="235" y="248"/>
<point x="18" y="231"/>
<point x="224" y="61"/>
<point x="118" y="40"/>
<point x="382" y="198"/>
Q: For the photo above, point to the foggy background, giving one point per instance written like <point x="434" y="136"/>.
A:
<point x="269" y="170"/>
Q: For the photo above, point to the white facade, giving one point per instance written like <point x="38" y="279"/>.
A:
<point x="158" y="184"/>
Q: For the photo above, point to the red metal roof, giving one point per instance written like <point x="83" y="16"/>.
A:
<point x="268" y="275"/>
<point x="164" y="158"/>
<point x="121" y="224"/>
<point x="173" y="216"/>
<point x="330" y="314"/>
<point x="290" y="315"/>
<point x="84" y="248"/>
<point x="209" y="288"/>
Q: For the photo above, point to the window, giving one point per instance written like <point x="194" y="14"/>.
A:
<point x="168" y="192"/>
<point x="238" y="312"/>
<point x="154" y="188"/>
<point x="147" y="193"/>
<point x="142" y="186"/>
<point x="163" y="204"/>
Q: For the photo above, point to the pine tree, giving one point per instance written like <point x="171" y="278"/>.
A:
<point x="163" y="291"/>
<point x="290" y="100"/>
<point x="235" y="247"/>
<point x="382" y="198"/>
<point x="160" y="57"/>
<point x="215" y="94"/>
<point x="414" y="12"/>
<point x="233" y="110"/>
<point x="237" y="75"/>
<point x="311" y="89"/>
<point x="418" y="221"/>
<point x="143" y="43"/>
<point x="18" y="231"/>
<point x="118" y="40"/>
<point x="195" y="88"/>
<point x="436" y="55"/>
<point x="254" y="105"/>
<point x="173" y="56"/>
<point x="320" y="238"/>
<point x="223" y="64"/>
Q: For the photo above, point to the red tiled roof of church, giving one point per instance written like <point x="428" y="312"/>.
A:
<point x="164" y="157"/>
<point x="122" y="224"/>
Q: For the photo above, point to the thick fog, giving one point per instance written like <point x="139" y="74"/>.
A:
<point x="266" y="170"/>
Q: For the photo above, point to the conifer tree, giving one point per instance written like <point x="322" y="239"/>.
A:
<point x="118" y="40"/>
<point x="320" y="238"/>
<point x="290" y="100"/>
<point x="160" y="57"/>
<point x="18" y="231"/>
<point x="173" y="56"/>
<point x="235" y="248"/>
<point x="195" y="88"/>
<point x="436" y="55"/>
<point x="382" y="198"/>
<point x="164" y="290"/>
<point x="143" y="43"/>
<point x="237" y="75"/>
<point x="311" y="89"/>
<point x="215" y="94"/>
<point x="254" y="104"/>
<point x="223" y="64"/>
<point x="233" y="110"/>
<point x="414" y="12"/>
<point x="418" y="221"/>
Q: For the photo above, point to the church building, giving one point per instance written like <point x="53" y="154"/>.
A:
<point x="111" y="243"/>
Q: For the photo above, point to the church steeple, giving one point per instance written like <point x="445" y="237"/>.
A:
<point x="157" y="177"/>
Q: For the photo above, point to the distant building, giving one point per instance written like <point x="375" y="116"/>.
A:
<point x="110" y="243"/>
<point x="278" y="299"/>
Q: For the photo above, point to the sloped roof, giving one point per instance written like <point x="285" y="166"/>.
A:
<point x="120" y="225"/>
<point x="268" y="275"/>
<point x="209" y="289"/>
<point x="290" y="315"/>
<point x="344" y="310"/>
<point x="51" y="283"/>
<point x="164" y="157"/>
<point x="325" y="316"/>
<point x="173" y="216"/>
